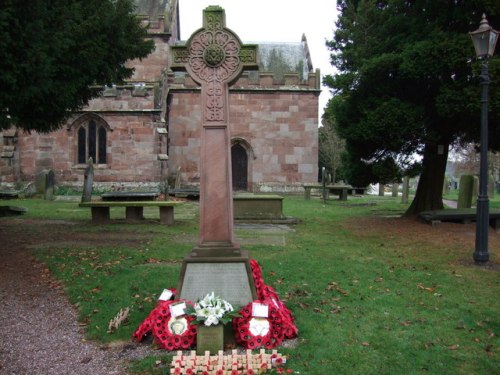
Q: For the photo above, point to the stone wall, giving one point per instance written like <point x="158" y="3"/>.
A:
<point x="275" y="122"/>
<point x="132" y="148"/>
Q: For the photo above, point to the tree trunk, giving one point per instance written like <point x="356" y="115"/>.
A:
<point x="429" y="195"/>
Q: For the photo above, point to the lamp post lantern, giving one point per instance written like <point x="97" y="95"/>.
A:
<point x="484" y="39"/>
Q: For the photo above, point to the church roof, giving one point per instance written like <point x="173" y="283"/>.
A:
<point x="282" y="58"/>
<point x="151" y="7"/>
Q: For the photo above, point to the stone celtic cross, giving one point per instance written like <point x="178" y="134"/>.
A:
<point x="214" y="57"/>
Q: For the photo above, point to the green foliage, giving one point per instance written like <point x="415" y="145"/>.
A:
<point x="407" y="82"/>
<point x="52" y="52"/>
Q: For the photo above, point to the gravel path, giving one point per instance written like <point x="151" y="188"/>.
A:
<point x="40" y="332"/>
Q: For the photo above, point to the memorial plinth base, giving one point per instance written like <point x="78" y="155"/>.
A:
<point x="210" y="339"/>
<point x="229" y="277"/>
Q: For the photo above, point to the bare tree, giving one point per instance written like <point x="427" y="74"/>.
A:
<point x="467" y="160"/>
<point x="331" y="147"/>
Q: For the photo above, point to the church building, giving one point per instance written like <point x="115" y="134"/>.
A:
<point x="146" y="132"/>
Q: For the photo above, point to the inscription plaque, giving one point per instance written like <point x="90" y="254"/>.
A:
<point x="227" y="280"/>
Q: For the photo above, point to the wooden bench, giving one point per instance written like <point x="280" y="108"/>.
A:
<point x="463" y="215"/>
<point x="133" y="210"/>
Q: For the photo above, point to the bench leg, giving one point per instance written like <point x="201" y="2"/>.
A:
<point x="134" y="213"/>
<point x="325" y="193"/>
<point x="495" y="224"/>
<point x="167" y="215"/>
<point x="100" y="215"/>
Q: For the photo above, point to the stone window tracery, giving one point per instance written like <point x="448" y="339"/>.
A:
<point x="91" y="135"/>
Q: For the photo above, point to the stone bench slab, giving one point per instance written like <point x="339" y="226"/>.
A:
<point x="130" y="196"/>
<point x="463" y="215"/>
<point x="133" y="210"/>
<point x="12" y="210"/>
<point x="9" y="194"/>
<point x="341" y="190"/>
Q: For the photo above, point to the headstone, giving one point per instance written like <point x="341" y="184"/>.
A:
<point x="406" y="189"/>
<point x="88" y="181"/>
<point x="475" y="190"/>
<point x="465" y="191"/>
<point x="381" y="189"/>
<point x="178" y="178"/>
<point x="323" y="185"/>
<point x="491" y="186"/>
<point x="30" y="190"/>
<point x="50" y="181"/>
<point x="395" y="189"/>
<point x="214" y="57"/>
<point x="41" y="181"/>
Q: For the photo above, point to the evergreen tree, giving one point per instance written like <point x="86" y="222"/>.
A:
<point x="408" y="86"/>
<point x="53" y="51"/>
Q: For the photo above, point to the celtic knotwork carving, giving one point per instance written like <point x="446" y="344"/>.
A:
<point x="214" y="59"/>
<point x="248" y="55"/>
<point x="214" y="21"/>
<point x="214" y="55"/>
<point x="214" y="110"/>
<point x="180" y="56"/>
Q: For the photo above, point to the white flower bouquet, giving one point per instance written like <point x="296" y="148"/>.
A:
<point x="212" y="310"/>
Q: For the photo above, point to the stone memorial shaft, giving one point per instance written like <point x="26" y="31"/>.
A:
<point x="214" y="57"/>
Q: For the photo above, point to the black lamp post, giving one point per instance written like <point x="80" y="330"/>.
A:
<point x="485" y="40"/>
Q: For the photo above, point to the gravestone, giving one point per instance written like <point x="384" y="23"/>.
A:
<point x="381" y="189"/>
<point x="214" y="57"/>
<point x="395" y="189"/>
<point x="491" y="186"/>
<point x="88" y="181"/>
<point x="50" y="181"/>
<point x="406" y="189"/>
<point x="44" y="183"/>
<point x="475" y="190"/>
<point x="324" y="190"/>
<point x="465" y="191"/>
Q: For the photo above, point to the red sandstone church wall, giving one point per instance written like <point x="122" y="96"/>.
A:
<point x="280" y="127"/>
<point x="150" y="68"/>
<point x="132" y="148"/>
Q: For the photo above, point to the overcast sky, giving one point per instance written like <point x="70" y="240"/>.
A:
<point x="272" y="21"/>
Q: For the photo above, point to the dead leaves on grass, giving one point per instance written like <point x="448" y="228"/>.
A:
<point x="334" y="286"/>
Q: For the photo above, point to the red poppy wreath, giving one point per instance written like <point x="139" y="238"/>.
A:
<point x="169" y="332"/>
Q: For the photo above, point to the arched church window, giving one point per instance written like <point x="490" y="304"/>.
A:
<point x="91" y="143"/>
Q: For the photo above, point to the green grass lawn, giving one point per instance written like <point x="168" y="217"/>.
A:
<point x="365" y="301"/>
